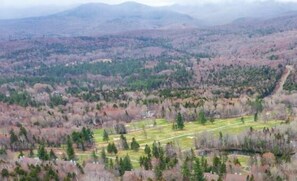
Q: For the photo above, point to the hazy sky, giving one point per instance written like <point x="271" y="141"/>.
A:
<point x="28" y="3"/>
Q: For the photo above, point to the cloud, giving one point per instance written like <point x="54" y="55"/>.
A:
<point x="27" y="3"/>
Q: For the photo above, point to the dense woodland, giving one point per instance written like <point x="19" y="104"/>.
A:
<point x="57" y="94"/>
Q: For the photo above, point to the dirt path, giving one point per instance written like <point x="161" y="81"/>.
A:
<point x="282" y="81"/>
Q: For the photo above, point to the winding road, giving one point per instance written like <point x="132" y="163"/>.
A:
<point x="279" y="87"/>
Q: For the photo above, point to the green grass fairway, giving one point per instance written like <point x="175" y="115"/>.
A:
<point x="163" y="133"/>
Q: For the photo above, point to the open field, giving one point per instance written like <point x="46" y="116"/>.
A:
<point x="163" y="133"/>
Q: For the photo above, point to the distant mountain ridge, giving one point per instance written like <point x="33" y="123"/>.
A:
<point x="225" y="13"/>
<point x="96" y="18"/>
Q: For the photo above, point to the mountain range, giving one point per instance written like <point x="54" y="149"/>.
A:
<point x="98" y="18"/>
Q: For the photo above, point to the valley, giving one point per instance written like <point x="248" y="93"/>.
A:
<point x="138" y="92"/>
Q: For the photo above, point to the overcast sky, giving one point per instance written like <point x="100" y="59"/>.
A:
<point x="28" y="3"/>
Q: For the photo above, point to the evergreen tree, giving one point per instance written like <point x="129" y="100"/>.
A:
<point x="110" y="164"/>
<point x="134" y="145"/>
<point x="155" y="150"/>
<point x="31" y="154"/>
<point x="223" y="169"/>
<point x="13" y="136"/>
<point x="114" y="148"/>
<point x="42" y="153"/>
<point x="82" y="137"/>
<point x="242" y="120"/>
<point x="69" y="149"/>
<point x="105" y="135"/>
<point x="145" y="162"/>
<point x="4" y="173"/>
<point x="111" y="148"/>
<point x="201" y="117"/>
<point x="198" y="171"/>
<point x="221" y="137"/>
<point x="186" y="171"/>
<point x="180" y="122"/>
<point x="147" y="150"/>
<point x="256" y="116"/>
<point x="23" y="132"/>
<point x="158" y="172"/>
<point x="124" y="142"/>
<point x="125" y="165"/>
<point x="216" y="163"/>
<point x="78" y="140"/>
<point x="87" y="135"/>
<point x="163" y="112"/>
<point x="204" y="164"/>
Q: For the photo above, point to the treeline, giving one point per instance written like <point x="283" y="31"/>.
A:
<point x="122" y="68"/>
<point x="21" y="98"/>
<point x="291" y="83"/>
<point x="262" y="79"/>
<point x="252" y="142"/>
<point x="134" y="73"/>
<point x="30" y="172"/>
<point x="23" y="139"/>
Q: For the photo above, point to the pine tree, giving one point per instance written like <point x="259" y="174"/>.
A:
<point x="78" y="140"/>
<point x="163" y="112"/>
<point x="114" y="148"/>
<point x="216" y="163"/>
<point x="31" y="154"/>
<point x="124" y="142"/>
<point x="242" y="120"/>
<point x="256" y="116"/>
<point x="5" y="173"/>
<point x="111" y="148"/>
<point x="223" y="169"/>
<point x="155" y="150"/>
<point x="23" y="132"/>
<point x="110" y="164"/>
<point x="69" y="149"/>
<point x="145" y="162"/>
<point x="198" y="171"/>
<point x="147" y="150"/>
<point x="42" y="153"/>
<point x="13" y="136"/>
<point x="134" y="145"/>
<point x="127" y="163"/>
<point x="87" y="134"/>
<point x="158" y="172"/>
<point x="105" y="135"/>
<point x="186" y="171"/>
<point x="204" y="164"/>
<point x="201" y="117"/>
<point x="180" y="122"/>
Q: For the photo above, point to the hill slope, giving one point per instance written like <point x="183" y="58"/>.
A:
<point x="90" y="19"/>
